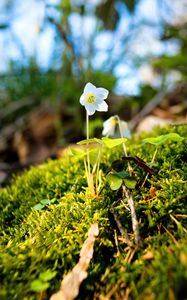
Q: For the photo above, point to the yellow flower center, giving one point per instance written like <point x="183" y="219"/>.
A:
<point x="90" y="98"/>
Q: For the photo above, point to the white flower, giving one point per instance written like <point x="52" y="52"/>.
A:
<point x="93" y="98"/>
<point x="109" y="126"/>
<point x="125" y="130"/>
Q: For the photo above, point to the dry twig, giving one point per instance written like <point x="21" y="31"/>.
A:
<point x="134" y="219"/>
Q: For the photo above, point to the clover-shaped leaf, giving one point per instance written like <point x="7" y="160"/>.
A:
<point x="77" y="151"/>
<point x="111" y="143"/>
<point x="162" y="138"/>
<point x="130" y="182"/>
<point x="90" y="141"/>
<point x="114" y="181"/>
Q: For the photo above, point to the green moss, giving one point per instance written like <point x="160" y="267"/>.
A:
<point x="33" y="242"/>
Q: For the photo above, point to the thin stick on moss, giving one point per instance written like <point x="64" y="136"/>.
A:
<point x="116" y="242"/>
<point x="135" y="225"/>
<point x="128" y="194"/>
<point x="130" y="255"/>
<point x="121" y="230"/>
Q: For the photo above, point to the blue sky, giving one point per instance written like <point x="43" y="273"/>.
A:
<point x="27" y="26"/>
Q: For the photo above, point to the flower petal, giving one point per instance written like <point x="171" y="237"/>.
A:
<point x="125" y="129"/>
<point x="109" y="127"/>
<point x="106" y="129"/>
<point x="102" y="107"/>
<point x="89" y="88"/>
<point x="90" y="109"/>
<point x="82" y="100"/>
<point x="103" y="93"/>
<point x="98" y="99"/>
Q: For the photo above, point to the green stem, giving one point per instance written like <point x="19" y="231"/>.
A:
<point x="89" y="176"/>
<point x="87" y="137"/>
<point x="86" y="170"/>
<point x="97" y="170"/>
<point x="152" y="160"/>
<point x="124" y="147"/>
<point x="154" y="155"/>
<point x="121" y="134"/>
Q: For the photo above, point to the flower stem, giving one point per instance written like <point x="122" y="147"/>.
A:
<point x="97" y="170"/>
<point x="87" y="126"/>
<point x="124" y="146"/>
<point x="89" y="175"/>
<point x="121" y="134"/>
<point x="87" y="137"/>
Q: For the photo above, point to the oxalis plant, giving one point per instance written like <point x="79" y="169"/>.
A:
<point x="120" y="174"/>
<point x="93" y="99"/>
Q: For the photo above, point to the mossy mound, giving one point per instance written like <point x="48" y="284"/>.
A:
<point x="38" y="247"/>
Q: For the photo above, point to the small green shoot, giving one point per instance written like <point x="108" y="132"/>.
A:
<point x="43" y="203"/>
<point x="37" y="285"/>
<point x="114" y="181"/>
<point x="42" y="283"/>
<point x="157" y="141"/>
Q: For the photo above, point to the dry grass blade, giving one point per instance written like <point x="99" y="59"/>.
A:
<point x="70" y="284"/>
<point x="179" y="225"/>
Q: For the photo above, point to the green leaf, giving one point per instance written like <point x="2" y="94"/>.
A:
<point x="79" y="152"/>
<point x="90" y="141"/>
<point x="38" y="206"/>
<point x="114" y="181"/>
<point x="38" y="285"/>
<point x="111" y="143"/>
<point x="162" y="138"/>
<point x="130" y="182"/>
<point x="45" y="201"/>
<point x="47" y="275"/>
<point x="122" y="174"/>
<point x="171" y="62"/>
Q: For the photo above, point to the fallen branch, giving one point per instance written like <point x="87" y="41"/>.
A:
<point x="70" y="284"/>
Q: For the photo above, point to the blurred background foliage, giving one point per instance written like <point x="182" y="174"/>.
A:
<point x="134" y="48"/>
